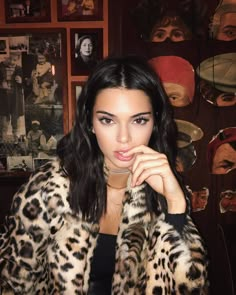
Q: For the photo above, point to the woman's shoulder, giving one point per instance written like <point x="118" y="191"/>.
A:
<point x="52" y="169"/>
<point x="49" y="183"/>
<point x="51" y="175"/>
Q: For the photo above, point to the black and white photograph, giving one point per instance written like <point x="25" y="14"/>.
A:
<point x="4" y="47"/>
<point x="32" y="95"/>
<point x="20" y="163"/>
<point x="19" y="43"/>
<point x="87" y="50"/>
<point x="19" y="11"/>
<point x="12" y="113"/>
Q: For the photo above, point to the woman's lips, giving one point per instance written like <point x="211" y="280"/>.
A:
<point x="120" y="156"/>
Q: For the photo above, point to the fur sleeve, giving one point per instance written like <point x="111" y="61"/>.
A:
<point x="177" y="262"/>
<point x="24" y="235"/>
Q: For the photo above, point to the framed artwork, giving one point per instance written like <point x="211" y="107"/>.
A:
<point x="80" y="10"/>
<point x="4" y="47"/>
<point x="30" y="11"/>
<point x="20" y="163"/>
<point x="33" y="105"/>
<point x="86" y="50"/>
<point x="76" y="88"/>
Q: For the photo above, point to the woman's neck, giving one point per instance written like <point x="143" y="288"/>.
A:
<point x="116" y="179"/>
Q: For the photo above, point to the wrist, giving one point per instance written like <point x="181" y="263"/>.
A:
<point x="176" y="207"/>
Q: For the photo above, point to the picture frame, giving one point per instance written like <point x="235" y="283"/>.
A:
<point x="35" y="11"/>
<point x="86" y="50"/>
<point x="20" y="163"/>
<point x="4" y="46"/>
<point x="39" y="57"/>
<point x="76" y="88"/>
<point x="80" y="10"/>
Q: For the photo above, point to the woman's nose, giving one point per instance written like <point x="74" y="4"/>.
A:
<point x="123" y="135"/>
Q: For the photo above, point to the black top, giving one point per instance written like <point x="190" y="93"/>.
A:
<point x="103" y="264"/>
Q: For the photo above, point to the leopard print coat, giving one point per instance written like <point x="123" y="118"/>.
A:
<point x="46" y="249"/>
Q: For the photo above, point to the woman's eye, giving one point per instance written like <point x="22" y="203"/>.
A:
<point x="159" y="35"/>
<point x="178" y="34"/>
<point x="141" y="121"/>
<point x="173" y="97"/>
<point x="230" y="33"/>
<point x="106" y="121"/>
<point x="227" y="165"/>
<point x="228" y="97"/>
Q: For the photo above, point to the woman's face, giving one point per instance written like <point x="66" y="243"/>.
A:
<point x="177" y="94"/>
<point x="174" y="33"/>
<point x="88" y="4"/>
<point x="224" y="160"/>
<point x="226" y="99"/>
<point x="41" y="59"/>
<point x="172" y="28"/>
<point x="86" y="47"/>
<point x="122" y="119"/>
<point x="227" y="28"/>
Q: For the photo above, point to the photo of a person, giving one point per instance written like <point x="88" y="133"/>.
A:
<point x="227" y="201"/>
<point x="186" y="153"/>
<point x="26" y="8"/>
<point x="85" y="53"/>
<point x="70" y="7"/>
<point x="87" y="7"/>
<point x="98" y="218"/>
<point x="218" y="79"/>
<point x="178" y="78"/>
<point x="166" y="20"/>
<point x="12" y="97"/>
<point x="42" y="85"/>
<point x="20" y="163"/>
<point x="223" y="23"/>
<point x="33" y="138"/>
<point x="41" y="142"/>
<point x="221" y="151"/>
<point x="79" y="9"/>
<point x="42" y="79"/>
<point x="199" y="199"/>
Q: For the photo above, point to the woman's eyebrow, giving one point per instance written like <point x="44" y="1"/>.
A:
<point x="105" y="113"/>
<point x="134" y="116"/>
<point x="141" y="114"/>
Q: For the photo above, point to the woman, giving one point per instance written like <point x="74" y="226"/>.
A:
<point x="84" y="54"/>
<point x="221" y="151"/>
<point x="178" y="78"/>
<point x="172" y="28"/>
<point x="112" y="205"/>
<point x="175" y="21"/>
<point x="223" y="22"/>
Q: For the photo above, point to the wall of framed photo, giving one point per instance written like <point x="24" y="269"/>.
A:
<point x="47" y="50"/>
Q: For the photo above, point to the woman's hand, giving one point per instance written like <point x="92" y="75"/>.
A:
<point x="154" y="168"/>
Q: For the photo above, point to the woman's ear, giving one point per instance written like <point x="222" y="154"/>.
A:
<point x="92" y="129"/>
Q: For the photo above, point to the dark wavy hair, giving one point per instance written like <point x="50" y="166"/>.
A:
<point x="79" y="152"/>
